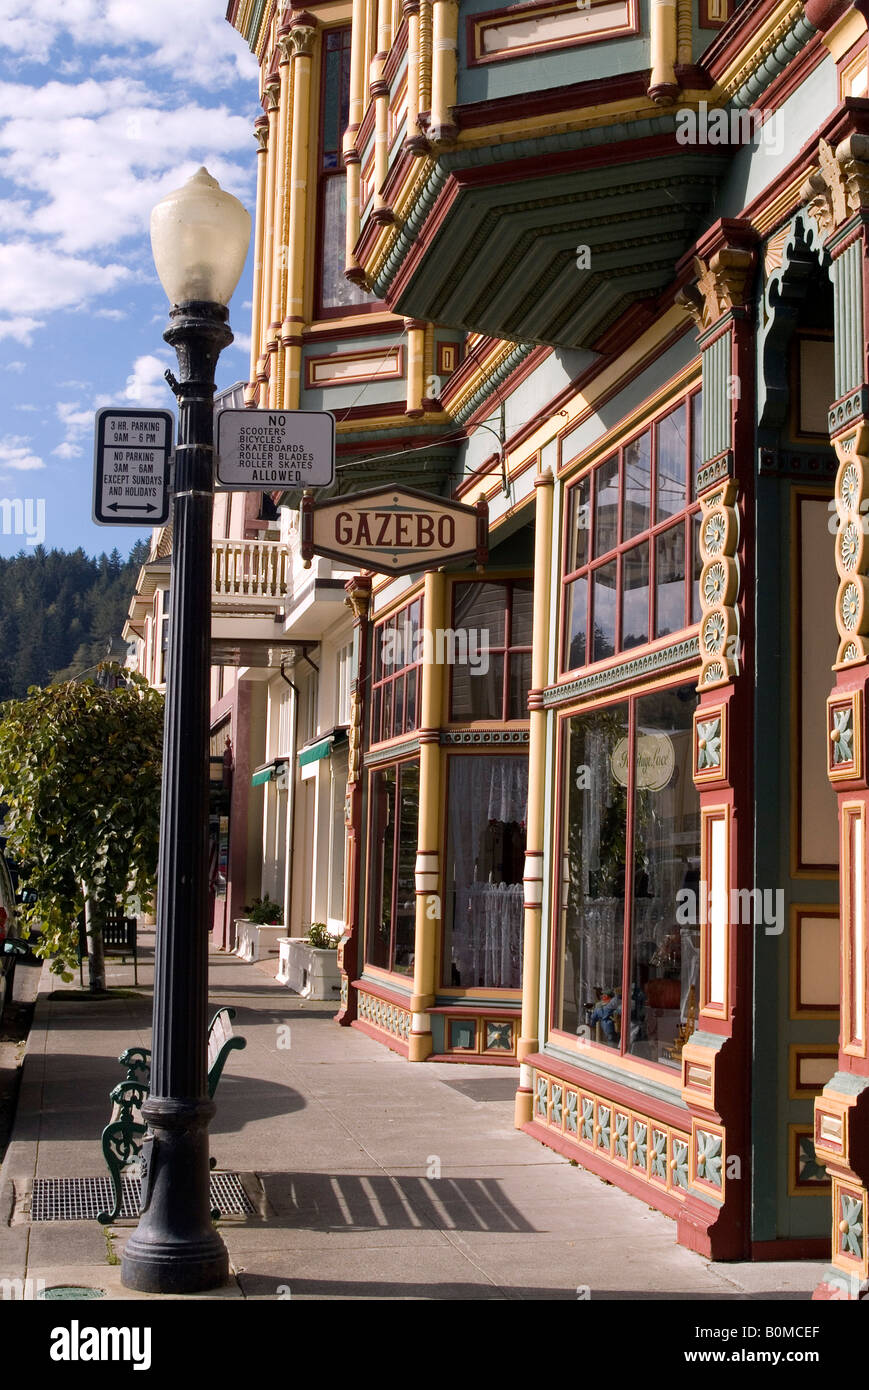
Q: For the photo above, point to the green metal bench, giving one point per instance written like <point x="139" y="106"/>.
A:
<point x="123" y="1135"/>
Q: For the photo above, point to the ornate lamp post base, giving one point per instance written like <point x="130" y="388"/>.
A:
<point x="175" y="1248"/>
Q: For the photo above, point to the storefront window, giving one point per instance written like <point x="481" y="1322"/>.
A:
<point x="335" y="292"/>
<point x="629" y="882"/>
<point x="490" y="659"/>
<point x="394" y="817"/>
<point x="593" y="879"/>
<point x="631" y="560"/>
<point x="396" y="681"/>
<point x="665" y="950"/>
<point x="483" y="918"/>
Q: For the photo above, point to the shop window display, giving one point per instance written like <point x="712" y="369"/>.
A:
<point x="630" y="865"/>
<point x="487" y="806"/>
<point x="394" y="818"/>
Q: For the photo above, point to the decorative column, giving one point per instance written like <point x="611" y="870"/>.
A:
<point x="271" y="99"/>
<point x="533" y="879"/>
<point x="415" y="329"/>
<point x="429" y="893"/>
<point x="444" y="71"/>
<point x="425" y="42"/>
<point x="716" y="1058"/>
<point x="414" y="139"/>
<point x="281" y="219"/>
<point x="359" y="599"/>
<point x="261" y="133"/>
<point x="838" y="197"/>
<point x="302" y="37"/>
<point x="352" y="164"/>
<point x="663" y="83"/>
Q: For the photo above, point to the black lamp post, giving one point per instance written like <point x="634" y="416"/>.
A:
<point x="200" y="237"/>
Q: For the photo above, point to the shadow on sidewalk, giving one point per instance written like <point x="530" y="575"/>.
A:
<point x="345" y="1201"/>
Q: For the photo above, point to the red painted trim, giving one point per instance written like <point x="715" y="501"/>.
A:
<point x="480" y="1058"/>
<point x="529" y="8"/>
<point x="394" y="1044"/>
<point x="338" y="332"/>
<point x="800" y="1248"/>
<point x="617" y="1173"/>
<point x="390" y="996"/>
<point x="496" y="1014"/>
<point x="524" y="105"/>
<point x="396" y="54"/>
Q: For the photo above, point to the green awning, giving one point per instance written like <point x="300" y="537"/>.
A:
<point x="268" y="773"/>
<point x="322" y="748"/>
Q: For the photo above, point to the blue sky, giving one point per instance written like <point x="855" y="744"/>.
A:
<point x="105" y="106"/>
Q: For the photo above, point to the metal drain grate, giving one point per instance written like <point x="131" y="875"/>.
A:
<point x="81" y="1199"/>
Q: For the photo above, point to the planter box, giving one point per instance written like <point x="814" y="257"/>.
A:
<point x="311" y="972"/>
<point x="254" y="941"/>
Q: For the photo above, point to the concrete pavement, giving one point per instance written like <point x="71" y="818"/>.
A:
<point x="372" y="1179"/>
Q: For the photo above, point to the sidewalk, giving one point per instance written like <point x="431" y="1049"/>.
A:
<point x="342" y="1141"/>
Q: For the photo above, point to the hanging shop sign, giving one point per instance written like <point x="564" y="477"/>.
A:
<point x="265" y="450"/>
<point x="131" y="466"/>
<point x="656" y="760"/>
<point x="394" y="530"/>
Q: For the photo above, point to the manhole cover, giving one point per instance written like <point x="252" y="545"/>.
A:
<point x="82" y="1199"/>
<point x="71" y="1291"/>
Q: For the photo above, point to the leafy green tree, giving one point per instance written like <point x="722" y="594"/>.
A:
<point x="80" y="768"/>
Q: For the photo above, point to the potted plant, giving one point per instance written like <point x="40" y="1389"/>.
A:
<point x="257" y="933"/>
<point x="309" y="963"/>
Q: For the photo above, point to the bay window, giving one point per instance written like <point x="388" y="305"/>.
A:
<point x="632" y="561"/>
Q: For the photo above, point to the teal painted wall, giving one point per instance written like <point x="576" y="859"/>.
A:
<point x="560" y="68"/>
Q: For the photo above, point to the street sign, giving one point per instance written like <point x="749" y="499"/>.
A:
<point x="265" y="450"/>
<point x="131" y="466"/>
<point x="394" y="530"/>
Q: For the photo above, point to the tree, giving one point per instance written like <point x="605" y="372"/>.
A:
<point x="80" y="767"/>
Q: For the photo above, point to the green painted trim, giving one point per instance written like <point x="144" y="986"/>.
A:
<point x="265" y="774"/>
<point x="660" y="660"/>
<point x="589" y="1061"/>
<point x="799" y="34"/>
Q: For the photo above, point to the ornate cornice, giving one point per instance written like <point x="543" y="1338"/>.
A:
<point x="678" y="654"/>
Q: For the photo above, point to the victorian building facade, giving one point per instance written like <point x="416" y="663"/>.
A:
<point x="604" y="267"/>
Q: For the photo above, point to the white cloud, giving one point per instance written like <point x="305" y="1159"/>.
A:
<point x="16" y="454"/>
<point x="68" y="451"/>
<point x="15" y="367"/>
<point x="20" y="327"/>
<point x="242" y="342"/>
<point x="145" y="384"/>
<point x="192" y="37"/>
<point x="35" y="279"/>
<point x="115" y="314"/>
<point x="31" y="409"/>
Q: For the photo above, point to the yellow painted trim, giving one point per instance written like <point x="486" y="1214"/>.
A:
<point x="821" y="1189"/>
<point x="761" y="42"/>
<point x="844" y="33"/>
<point x="809" y="910"/>
<point x="795" y="1090"/>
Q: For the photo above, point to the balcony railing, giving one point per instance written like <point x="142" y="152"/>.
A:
<point x="250" y="570"/>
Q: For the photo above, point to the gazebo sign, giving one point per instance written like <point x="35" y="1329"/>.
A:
<point x="394" y="530"/>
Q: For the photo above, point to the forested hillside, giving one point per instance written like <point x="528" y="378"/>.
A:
<point x="61" y="613"/>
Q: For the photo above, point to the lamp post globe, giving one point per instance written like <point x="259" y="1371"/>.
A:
<point x="200" y="236"/>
